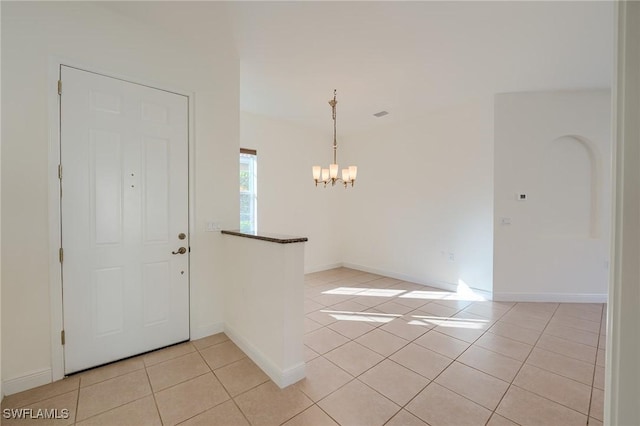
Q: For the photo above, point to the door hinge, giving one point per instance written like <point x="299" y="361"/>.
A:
<point x="62" y="337"/>
<point x="59" y="87"/>
<point x="61" y="254"/>
<point x="60" y="171"/>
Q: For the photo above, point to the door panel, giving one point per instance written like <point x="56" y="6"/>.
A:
<point x="156" y="284"/>
<point x="108" y="301"/>
<point x="156" y="190"/>
<point x="106" y="187"/>
<point x="124" y="154"/>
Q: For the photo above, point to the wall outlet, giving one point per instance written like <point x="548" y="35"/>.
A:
<point x="213" y="226"/>
<point x="505" y="221"/>
<point x="521" y="196"/>
<point x="452" y="257"/>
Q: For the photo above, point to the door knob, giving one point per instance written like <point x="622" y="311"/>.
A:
<point x="181" y="250"/>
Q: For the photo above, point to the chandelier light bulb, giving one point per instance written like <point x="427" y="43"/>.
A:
<point x="353" y="172"/>
<point x="316" y="173"/>
<point x="333" y="171"/>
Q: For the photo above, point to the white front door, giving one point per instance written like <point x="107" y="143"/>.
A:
<point x="124" y="209"/>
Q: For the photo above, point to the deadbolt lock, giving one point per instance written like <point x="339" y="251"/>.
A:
<point x="182" y="236"/>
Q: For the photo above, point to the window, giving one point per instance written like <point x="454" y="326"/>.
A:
<point x="248" y="194"/>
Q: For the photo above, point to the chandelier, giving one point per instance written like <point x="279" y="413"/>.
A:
<point x="321" y="175"/>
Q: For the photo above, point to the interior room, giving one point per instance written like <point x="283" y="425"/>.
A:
<point x="474" y="272"/>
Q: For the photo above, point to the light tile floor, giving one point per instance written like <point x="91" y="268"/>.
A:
<point x="379" y="351"/>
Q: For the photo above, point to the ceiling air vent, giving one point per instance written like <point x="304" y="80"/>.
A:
<point x="380" y="114"/>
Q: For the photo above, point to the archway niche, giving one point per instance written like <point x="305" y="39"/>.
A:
<point x="570" y="188"/>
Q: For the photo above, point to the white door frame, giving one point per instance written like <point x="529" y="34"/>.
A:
<point x="622" y="373"/>
<point x="55" y="271"/>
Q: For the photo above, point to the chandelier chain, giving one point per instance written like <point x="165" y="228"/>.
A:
<point x="333" y="104"/>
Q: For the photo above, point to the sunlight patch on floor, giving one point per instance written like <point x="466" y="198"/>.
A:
<point x="428" y="295"/>
<point x="347" y="291"/>
<point x="378" y="292"/>
<point x="467" y="292"/>
<point x="361" y="316"/>
<point x="463" y="292"/>
<point x="451" y="322"/>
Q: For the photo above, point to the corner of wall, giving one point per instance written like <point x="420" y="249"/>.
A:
<point x="206" y="330"/>
<point x="442" y="285"/>
<point x="320" y="268"/>
<point x="282" y="378"/>
<point x="27" y="381"/>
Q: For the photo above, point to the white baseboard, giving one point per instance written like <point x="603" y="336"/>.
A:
<point x="28" y="381"/>
<point x="443" y="285"/>
<point x="293" y="374"/>
<point x="396" y="275"/>
<point x="550" y="297"/>
<point x="208" y="330"/>
<point x="313" y="269"/>
<point x="282" y="378"/>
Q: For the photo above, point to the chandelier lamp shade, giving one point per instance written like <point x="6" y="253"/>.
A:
<point x="330" y="174"/>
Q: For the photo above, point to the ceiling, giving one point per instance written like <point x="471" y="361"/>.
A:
<point x="408" y="58"/>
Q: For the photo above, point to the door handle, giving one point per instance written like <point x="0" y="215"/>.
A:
<point x="181" y="250"/>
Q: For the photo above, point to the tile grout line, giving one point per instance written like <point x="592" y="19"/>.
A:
<point x="548" y="350"/>
<point x="231" y="397"/>
<point x="75" y="418"/>
<point x="547" y="322"/>
<point x="403" y="407"/>
<point x="544" y="349"/>
<point x="153" y="394"/>
<point x="569" y="357"/>
<point x="117" y="406"/>
<point x="544" y="397"/>
<point x="371" y="367"/>
<point x="354" y="378"/>
<point x="197" y="350"/>
<point x="521" y="366"/>
<point x="561" y="374"/>
<point x="409" y="342"/>
<point x="114" y="408"/>
<point x="450" y="390"/>
<point x="595" y="369"/>
<point x="445" y="368"/>
<point x="329" y="415"/>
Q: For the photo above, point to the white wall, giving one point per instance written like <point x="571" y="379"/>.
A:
<point x="288" y="201"/>
<point x="556" y="148"/>
<point x="86" y="34"/>
<point x="424" y="190"/>
<point x="264" y="305"/>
